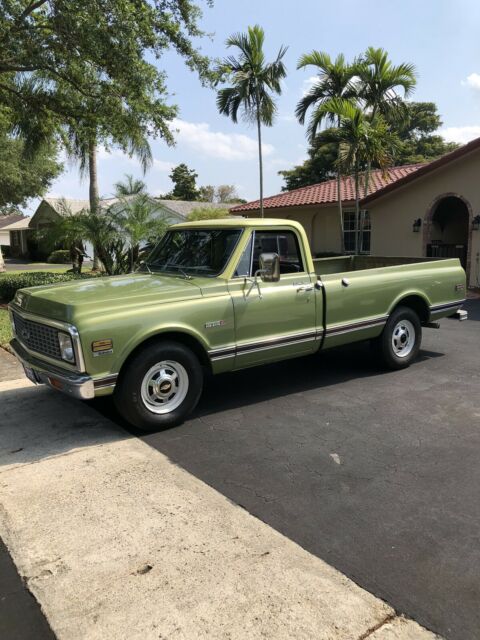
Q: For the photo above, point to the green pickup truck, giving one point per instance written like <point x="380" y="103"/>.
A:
<point x="218" y="296"/>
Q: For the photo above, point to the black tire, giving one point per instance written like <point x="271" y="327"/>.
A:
<point x="397" y="337"/>
<point x="138" y="407"/>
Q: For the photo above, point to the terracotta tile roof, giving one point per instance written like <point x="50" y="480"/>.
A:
<point x="326" y="192"/>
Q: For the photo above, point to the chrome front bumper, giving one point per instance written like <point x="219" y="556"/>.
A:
<point x="77" y="385"/>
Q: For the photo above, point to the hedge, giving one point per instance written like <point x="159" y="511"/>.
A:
<point x="9" y="283"/>
<point x="59" y="256"/>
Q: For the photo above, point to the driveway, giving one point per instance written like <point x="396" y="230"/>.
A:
<point x="375" y="473"/>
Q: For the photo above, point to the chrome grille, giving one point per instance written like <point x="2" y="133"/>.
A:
<point x="37" y="337"/>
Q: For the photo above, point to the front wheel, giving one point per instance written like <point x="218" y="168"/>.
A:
<point x="400" y="341"/>
<point x="160" y="387"/>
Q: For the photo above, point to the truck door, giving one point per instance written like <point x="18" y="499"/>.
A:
<point x="274" y="320"/>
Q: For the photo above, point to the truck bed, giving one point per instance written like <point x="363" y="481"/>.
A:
<point x="345" y="264"/>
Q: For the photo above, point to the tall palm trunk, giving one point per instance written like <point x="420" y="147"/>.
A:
<point x="93" y="192"/>
<point x="260" y="160"/>
<point x="339" y="197"/>
<point x="357" y="208"/>
<point x="2" y="262"/>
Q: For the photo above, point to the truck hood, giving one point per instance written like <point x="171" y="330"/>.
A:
<point x="70" y="301"/>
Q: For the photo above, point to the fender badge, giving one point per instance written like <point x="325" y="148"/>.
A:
<point x="214" y="323"/>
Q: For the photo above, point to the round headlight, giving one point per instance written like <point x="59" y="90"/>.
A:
<point x="66" y="347"/>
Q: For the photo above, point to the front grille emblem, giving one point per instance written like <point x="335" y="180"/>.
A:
<point x="25" y="333"/>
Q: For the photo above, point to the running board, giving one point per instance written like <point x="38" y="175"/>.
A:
<point x="431" y="325"/>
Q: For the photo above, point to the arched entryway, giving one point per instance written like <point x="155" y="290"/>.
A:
<point x="447" y="231"/>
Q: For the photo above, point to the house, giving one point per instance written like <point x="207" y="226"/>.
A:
<point x="13" y="233"/>
<point x="416" y="210"/>
<point x="50" y="209"/>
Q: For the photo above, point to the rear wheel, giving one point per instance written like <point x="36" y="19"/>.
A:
<point x="400" y="341"/>
<point x="160" y="387"/>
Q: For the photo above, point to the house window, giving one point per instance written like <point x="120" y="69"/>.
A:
<point x="350" y="230"/>
<point x="15" y="237"/>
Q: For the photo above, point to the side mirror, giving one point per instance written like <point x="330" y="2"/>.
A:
<point x="269" y="264"/>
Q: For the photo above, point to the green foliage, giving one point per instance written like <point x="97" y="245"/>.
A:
<point x="139" y="222"/>
<point x="23" y="176"/>
<point x="89" y="71"/>
<point x="185" y="186"/>
<point x="253" y="81"/>
<point x="417" y="142"/>
<point x="335" y="79"/>
<point x="207" y="213"/>
<point x="320" y="166"/>
<point x="59" y="256"/>
<point x="10" y="283"/>
<point x="130" y="186"/>
<point x="5" y="329"/>
<point x="224" y="193"/>
<point x="207" y="193"/>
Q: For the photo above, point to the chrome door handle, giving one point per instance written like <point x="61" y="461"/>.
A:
<point x="305" y="288"/>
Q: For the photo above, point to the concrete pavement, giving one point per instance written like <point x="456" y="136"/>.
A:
<point x="114" y="540"/>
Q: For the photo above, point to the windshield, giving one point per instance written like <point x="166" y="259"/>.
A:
<point x="202" y="252"/>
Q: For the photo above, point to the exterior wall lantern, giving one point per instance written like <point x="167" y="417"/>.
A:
<point x="417" y="225"/>
<point x="476" y="223"/>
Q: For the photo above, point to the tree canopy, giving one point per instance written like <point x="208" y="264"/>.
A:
<point x="417" y="142"/>
<point x="23" y="176"/>
<point x="184" y="183"/>
<point x="85" y="65"/>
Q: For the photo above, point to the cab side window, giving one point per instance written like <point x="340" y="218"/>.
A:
<point x="285" y="243"/>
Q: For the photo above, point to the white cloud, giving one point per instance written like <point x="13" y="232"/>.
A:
<point x="308" y="84"/>
<point x="227" y="146"/>
<point x="162" y="165"/>
<point x="460" y="134"/>
<point x="472" y="81"/>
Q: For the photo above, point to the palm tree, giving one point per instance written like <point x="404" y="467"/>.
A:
<point x="362" y="142"/>
<point x="67" y="232"/>
<point x="381" y="85"/>
<point x="335" y="80"/>
<point x="137" y="217"/>
<point x="253" y="82"/>
<point x="130" y="187"/>
<point x="82" y="147"/>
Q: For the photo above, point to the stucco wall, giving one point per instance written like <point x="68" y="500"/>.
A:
<point x="323" y="221"/>
<point x="393" y="215"/>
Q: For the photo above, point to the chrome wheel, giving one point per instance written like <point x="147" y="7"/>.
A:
<point x="403" y="338"/>
<point x="164" y="387"/>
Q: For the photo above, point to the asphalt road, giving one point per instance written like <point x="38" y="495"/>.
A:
<point x="376" y="473"/>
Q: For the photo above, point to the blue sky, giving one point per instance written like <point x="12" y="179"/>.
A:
<point x="439" y="36"/>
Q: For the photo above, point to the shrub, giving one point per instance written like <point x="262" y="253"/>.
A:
<point x="10" y="283"/>
<point x="207" y="213"/>
<point x="59" y="256"/>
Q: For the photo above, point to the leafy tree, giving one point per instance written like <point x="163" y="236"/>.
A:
<point x="59" y="56"/>
<point x="207" y="193"/>
<point x="362" y="141"/>
<point x="253" y="81"/>
<point x="335" y="80"/>
<point x="227" y="193"/>
<point x="84" y="71"/>
<point x="207" y="213"/>
<point x="184" y="180"/>
<point x="23" y="176"/>
<point x="319" y="167"/>
<point x="417" y="143"/>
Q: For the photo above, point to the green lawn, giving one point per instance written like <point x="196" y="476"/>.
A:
<point x="5" y="328"/>
<point x="40" y="267"/>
